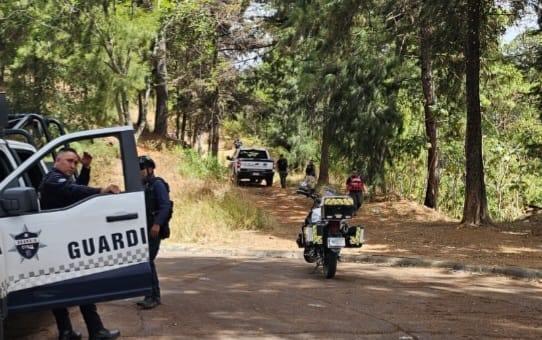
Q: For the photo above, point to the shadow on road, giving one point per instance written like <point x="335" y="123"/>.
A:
<point x="246" y="298"/>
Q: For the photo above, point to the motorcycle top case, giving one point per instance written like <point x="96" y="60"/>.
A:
<point x="337" y="207"/>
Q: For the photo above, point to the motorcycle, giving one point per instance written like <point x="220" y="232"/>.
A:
<point x="326" y="230"/>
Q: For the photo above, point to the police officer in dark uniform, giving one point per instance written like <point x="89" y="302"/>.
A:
<point x="58" y="190"/>
<point x="282" y="166"/>
<point x="310" y="170"/>
<point x="159" y="209"/>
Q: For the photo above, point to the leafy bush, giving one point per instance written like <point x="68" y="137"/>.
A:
<point x="193" y="165"/>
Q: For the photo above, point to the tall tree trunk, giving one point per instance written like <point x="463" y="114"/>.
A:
<point x="2" y="77"/>
<point x="426" y="50"/>
<point x="475" y="208"/>
<point x="195" y="132"/>
<point x="177" y="115"/>
<point x="183" y="127"/>
<point x="210" y="133"/>
<point x="160" y="85"/>
<point x="215" y="125"/>
<point x="327" y="134"/>
<point x="120" y="110"/>
<point x="125" y="107"/>
<point x="143" y="101"/>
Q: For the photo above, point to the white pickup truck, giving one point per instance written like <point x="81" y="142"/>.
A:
<point x="91" y="251"/>
<point x="251" y="165"/>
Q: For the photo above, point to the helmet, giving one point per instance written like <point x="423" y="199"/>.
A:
<point x="146" y="162"/>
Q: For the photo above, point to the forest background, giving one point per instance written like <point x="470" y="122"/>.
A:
<point x="422" y="96"/>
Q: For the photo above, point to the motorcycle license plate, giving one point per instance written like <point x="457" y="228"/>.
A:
<point x="336" y="242"/>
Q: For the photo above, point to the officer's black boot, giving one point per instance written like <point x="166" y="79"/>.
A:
<point x="145" y="301"/>
<point x="70" y="335"/>
<point x="105" y="334"/>
<point x="150" y="304"/>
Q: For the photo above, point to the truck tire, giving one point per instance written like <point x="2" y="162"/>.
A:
<point x="269" y="181"/>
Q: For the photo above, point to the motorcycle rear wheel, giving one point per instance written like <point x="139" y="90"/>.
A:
<point x="330" y="263"/>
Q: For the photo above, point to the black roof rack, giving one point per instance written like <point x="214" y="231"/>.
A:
<point x="4" y="113"/>
<point x="20" y="123"/>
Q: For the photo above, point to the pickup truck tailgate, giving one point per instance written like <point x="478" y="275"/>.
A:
<point x="256" y="165"/>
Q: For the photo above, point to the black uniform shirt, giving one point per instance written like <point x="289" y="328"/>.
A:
<point x="310" y="170"/>
<point x="282" y="164"/>
<point x="160" y="202"/>
<point x="58" y="190"/>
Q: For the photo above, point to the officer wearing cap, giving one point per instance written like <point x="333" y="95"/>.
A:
<point x="59" y="190"/>
<point x="159" y="209"/>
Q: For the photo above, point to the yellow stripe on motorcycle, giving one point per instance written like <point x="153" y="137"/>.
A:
<point x="357" y="239"/>
<point x="338" y="201"/>
<point x="316" y="239"/>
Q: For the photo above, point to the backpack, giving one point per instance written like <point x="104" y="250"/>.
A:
<point x="356" y="184"/>
<point x="151" y="206"/>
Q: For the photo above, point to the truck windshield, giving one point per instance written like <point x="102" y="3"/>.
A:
<point x="253" y="154"/>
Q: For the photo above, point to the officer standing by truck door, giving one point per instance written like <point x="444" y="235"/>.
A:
<point x="58" y="190"/>
<point x="159" y="210"/>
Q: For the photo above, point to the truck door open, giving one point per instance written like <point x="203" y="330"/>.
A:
<point x="94" y="250"/>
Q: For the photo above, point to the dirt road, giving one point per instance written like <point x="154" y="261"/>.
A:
<point x="403" y="228"/>
<point x="208" y="297"/>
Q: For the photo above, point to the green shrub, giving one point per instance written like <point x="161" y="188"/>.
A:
<point x="193" y="165"/>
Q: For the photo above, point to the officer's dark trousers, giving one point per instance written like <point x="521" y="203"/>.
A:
<point x="283" y="175"/>
<point x="357" y="196"/>
<point x="90" y="314"/>
<point x="154" y="246"/>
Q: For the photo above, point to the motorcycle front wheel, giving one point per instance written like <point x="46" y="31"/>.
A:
<point x="309" y="255"/>
<point x="330" y="263"/>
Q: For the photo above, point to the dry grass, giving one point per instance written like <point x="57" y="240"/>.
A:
<point x="207" y="207"/>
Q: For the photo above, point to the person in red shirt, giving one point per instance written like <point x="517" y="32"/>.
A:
<point x="355" y="188"/>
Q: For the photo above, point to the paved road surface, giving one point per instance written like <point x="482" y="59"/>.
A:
<point x="207" y="297"/>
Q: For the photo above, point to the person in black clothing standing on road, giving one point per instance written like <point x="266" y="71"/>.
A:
<point x="282" y="166"/>
<point x="310" y="170"/>
<point x="59" y="190"/>
<point x="159" y="208"/>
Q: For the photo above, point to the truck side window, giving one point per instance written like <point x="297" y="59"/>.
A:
<point x="35" y="173"/>
<point x="5" y="168"/>
<point x="106" y="168"/>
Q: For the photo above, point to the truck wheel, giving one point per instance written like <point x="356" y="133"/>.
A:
<point x="269" y="181"/>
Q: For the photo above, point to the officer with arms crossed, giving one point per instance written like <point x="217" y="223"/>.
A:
<point x="159" y="211"/>
<point x="59" y="190"/>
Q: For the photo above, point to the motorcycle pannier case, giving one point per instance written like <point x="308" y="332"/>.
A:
<point x="337" y="207"/>
<point x="312" y="234"/>
<point x="355" y="237"/>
